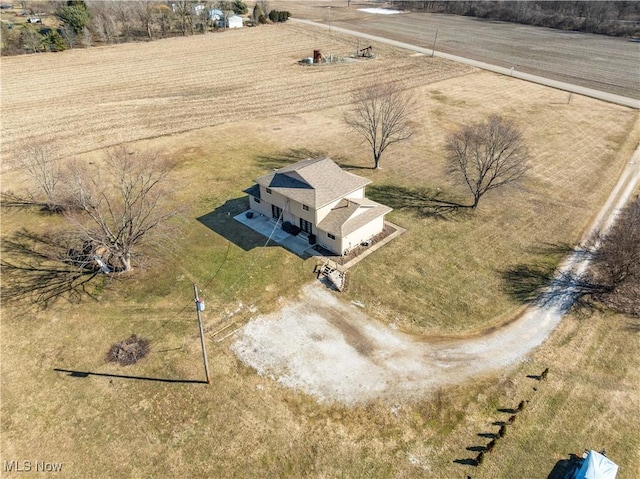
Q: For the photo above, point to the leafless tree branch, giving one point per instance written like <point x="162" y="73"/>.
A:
<point x="382" y="116"/>
<point x="115" y="210"/>
<point x="487" y="155"/>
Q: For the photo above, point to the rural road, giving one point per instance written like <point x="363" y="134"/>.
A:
<point x="570" y="87"/>
<point x="334" y="352"/>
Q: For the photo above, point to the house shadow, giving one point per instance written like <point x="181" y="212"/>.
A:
<point x="221" y="221"/>
<point x="280" y="160"/>
<point x="423" y="202"/>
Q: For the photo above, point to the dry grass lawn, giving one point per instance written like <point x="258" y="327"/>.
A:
<point x="229" y="107"/>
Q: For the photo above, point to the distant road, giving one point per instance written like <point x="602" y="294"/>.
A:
<point x="592" y="65"/>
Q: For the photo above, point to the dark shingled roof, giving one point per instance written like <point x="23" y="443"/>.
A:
<point x="253" y="191"/>
<point x="314" y="182"/>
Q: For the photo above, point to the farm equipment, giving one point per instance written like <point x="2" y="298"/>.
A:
<point x="317" y="58"/>
<point x="366" y="52"/>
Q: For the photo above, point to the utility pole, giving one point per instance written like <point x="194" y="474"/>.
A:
<point x="200" y="307"/>
<point x="433" y="50"/>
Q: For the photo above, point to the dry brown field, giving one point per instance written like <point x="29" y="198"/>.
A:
<point x="229" y="107"/>
<point x="87" y="99"/>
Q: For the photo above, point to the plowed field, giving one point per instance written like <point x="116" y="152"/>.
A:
<point x="88" y="99"/>
<point x="600" y="62"/>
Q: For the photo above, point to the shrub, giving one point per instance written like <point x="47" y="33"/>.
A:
<point x="277" y="16"/>
<point x="54" y="41"/>
<point x="239" y="7"/>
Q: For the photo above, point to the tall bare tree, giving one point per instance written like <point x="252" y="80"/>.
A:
<point x="264" y="7"/>
<point x="382" y="116"/>
<point x="146" y="12"/>
<point x="183" y="9"/>
<point x="487" y="155"/>
<point x="616" y="264"/>
<point x="116" y="211"/>
<point x="38" y="159"/>
<point x="32" y="41"/>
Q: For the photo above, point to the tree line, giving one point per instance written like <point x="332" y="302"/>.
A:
<point x="618" y="18"/>
<point x="85" y="23"/>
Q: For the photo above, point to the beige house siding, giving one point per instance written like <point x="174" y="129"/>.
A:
<point x="262" y="207"/>
<point x="341" y="244"/>
<point x="325" y="190"/>
<point x="365" y="233"/>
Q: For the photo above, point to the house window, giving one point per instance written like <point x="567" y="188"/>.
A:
<point x="305" y="226"/>
<point x="257" y="200"/>
<point x="276" y="212"/>
<point x="269" y="190"/>
<point x="305" y="207"/>
<point x="331" y="236"/>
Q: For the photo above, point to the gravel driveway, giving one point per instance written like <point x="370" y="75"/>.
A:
<point x="333" y="351"/>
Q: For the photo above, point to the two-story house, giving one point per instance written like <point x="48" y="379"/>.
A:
<point x="323" y="200"/>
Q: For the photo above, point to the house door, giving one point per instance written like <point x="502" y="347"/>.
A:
<point x="276" y="211"/>
<point x="305" y="226"/>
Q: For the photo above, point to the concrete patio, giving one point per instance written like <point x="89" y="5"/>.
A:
<point x="268" y="228"/>
<point x="299" y="245"/>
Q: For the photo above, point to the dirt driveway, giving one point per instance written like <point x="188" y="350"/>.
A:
<point x="333" y="351"/>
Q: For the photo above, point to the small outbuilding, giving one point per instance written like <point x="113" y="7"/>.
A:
<point x="234" y="21"/>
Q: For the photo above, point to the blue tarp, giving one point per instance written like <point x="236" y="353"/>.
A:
<point x="597" y="466"/>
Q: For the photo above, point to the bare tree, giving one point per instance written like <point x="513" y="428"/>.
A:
<point x="69" y="35"/>
<point x="124" y="14"/>
<point x="616" y="264"/>
<point x="146" y="12"/>
<point x="38" y="159"/>
<point x="487" y="155"/>
<point x="32" y="40"/>
<point x="263" y="5"/>
<point x="117" y="211"/>
<point x="201" y="18"/>
<point x="104" y="22"/>
<point x="184" y="12"/>
<point x="382" y="115"/>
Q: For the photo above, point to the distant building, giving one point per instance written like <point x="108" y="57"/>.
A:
<point x="234" y="21"/>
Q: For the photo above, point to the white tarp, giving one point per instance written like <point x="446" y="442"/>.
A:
<point x="597" y="466"/>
